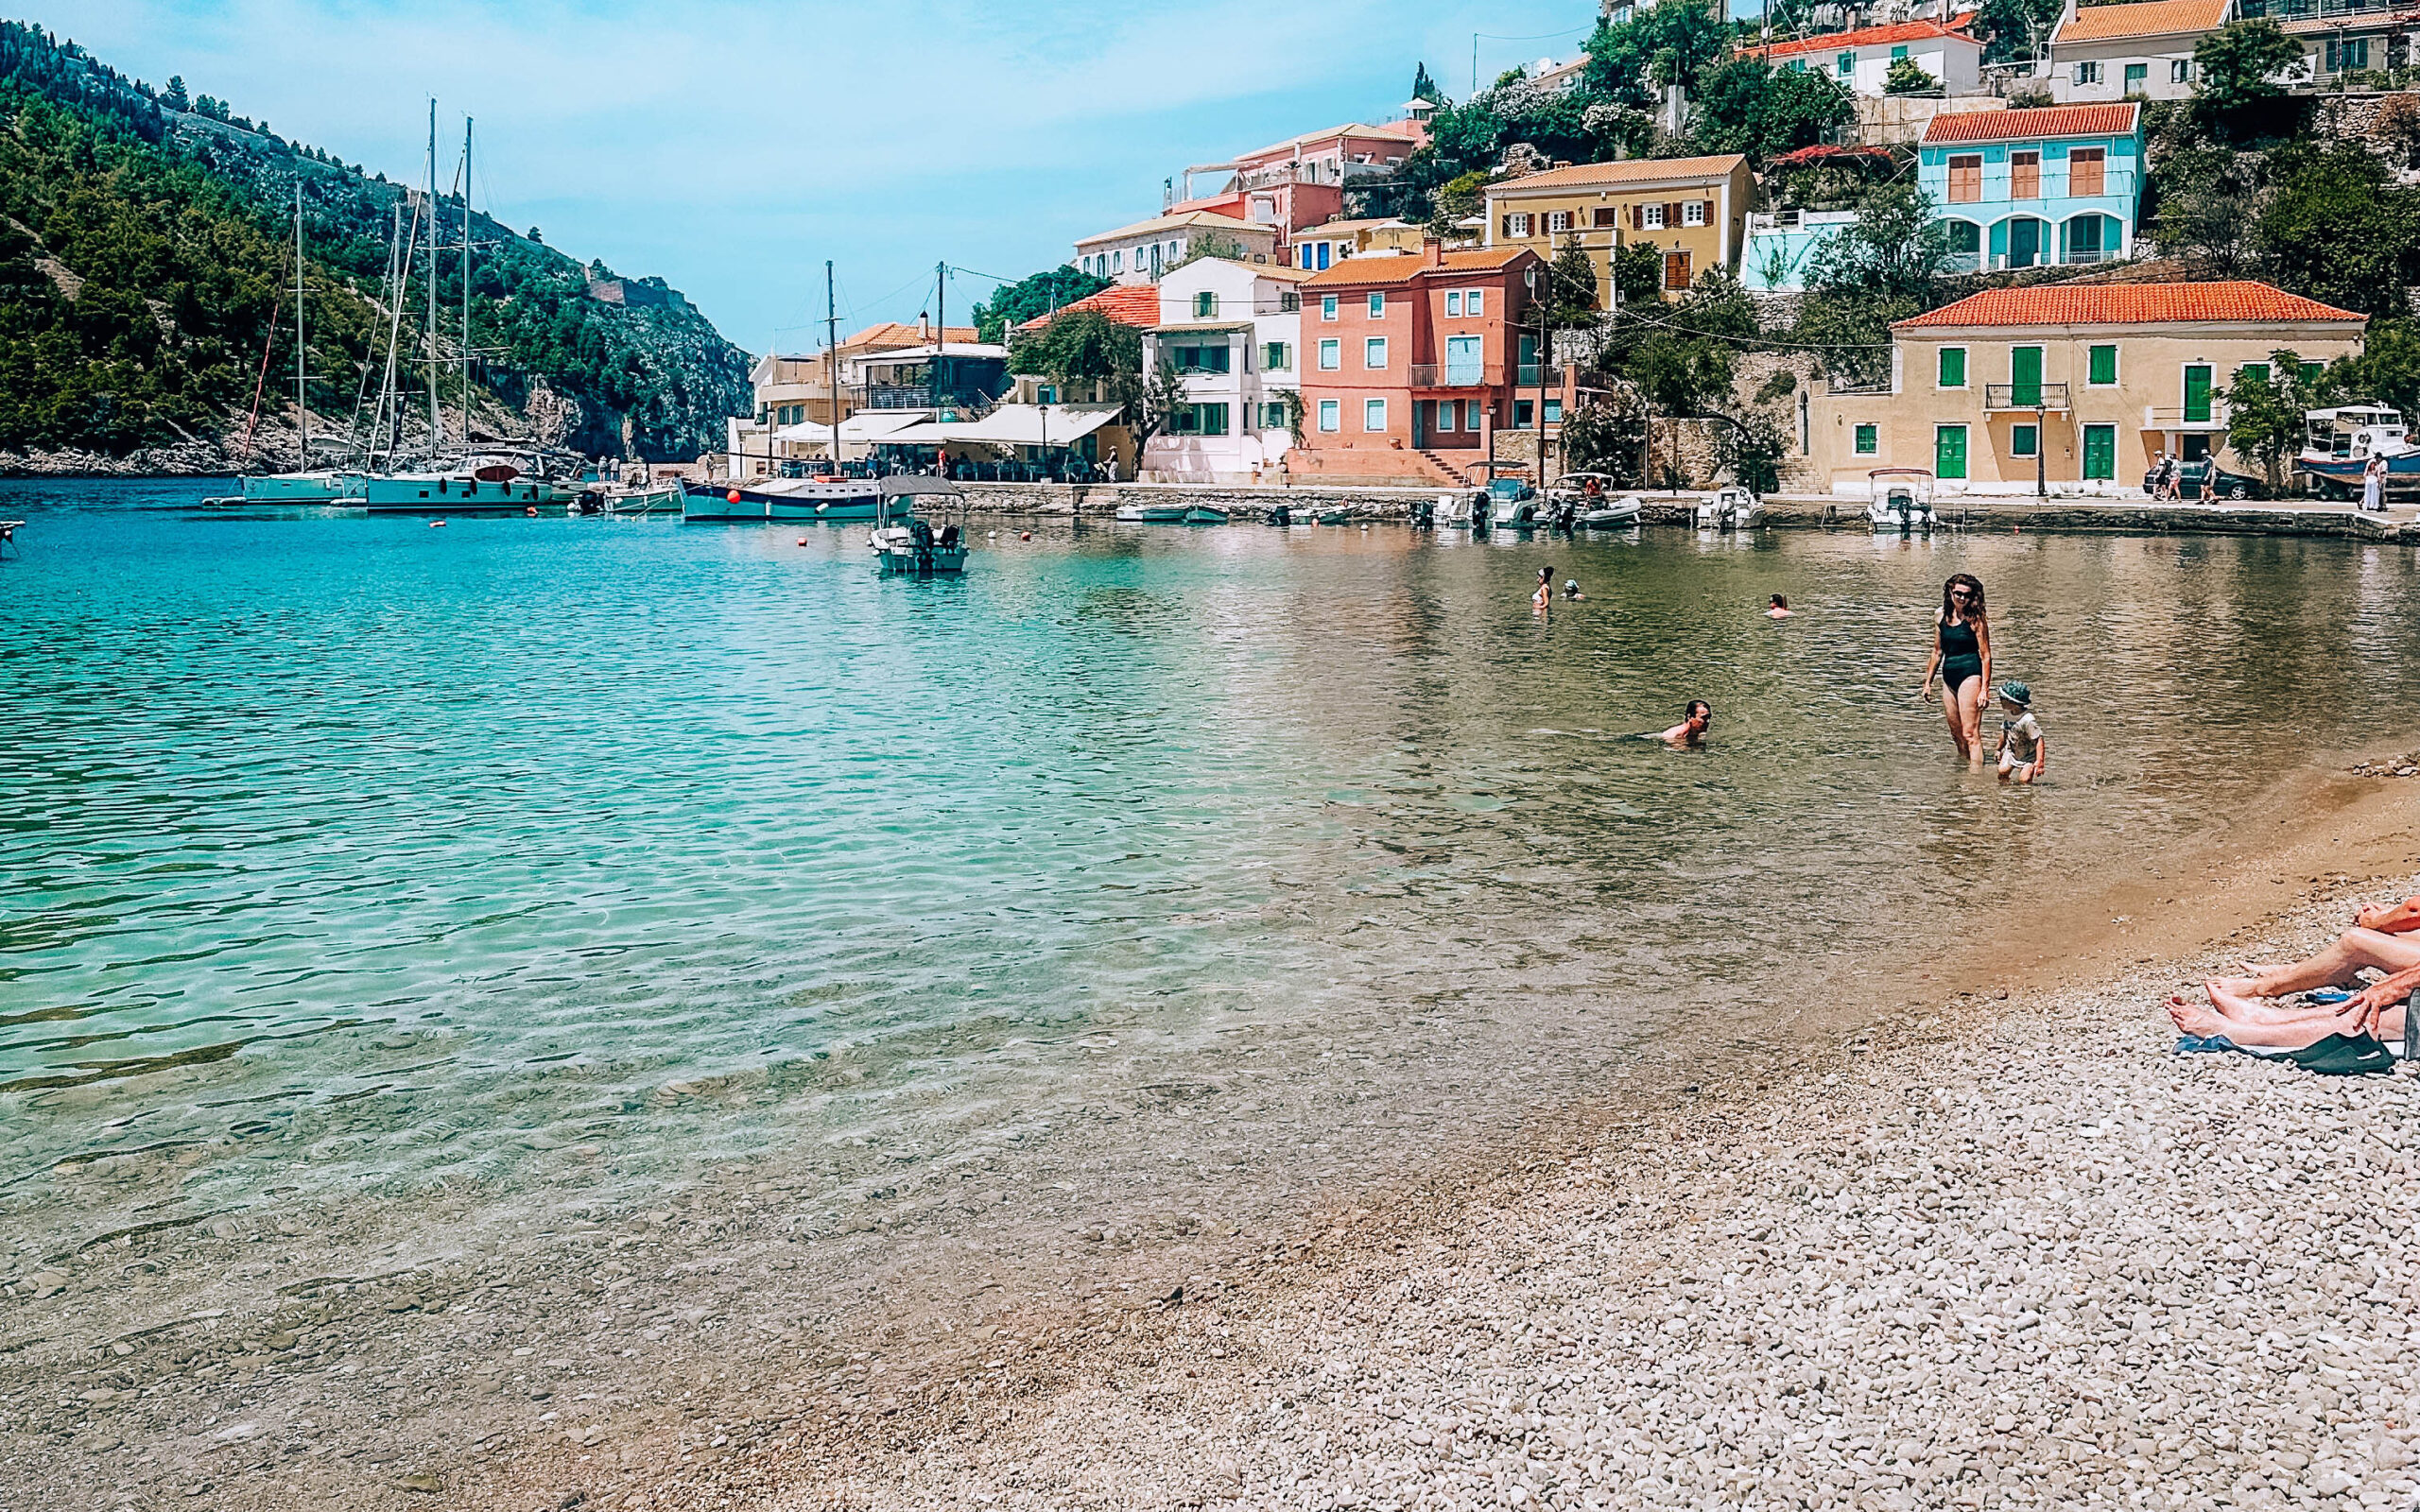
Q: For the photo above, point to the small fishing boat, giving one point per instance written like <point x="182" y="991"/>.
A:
<point x="1902" y="500"/>
<point x="799" y="500"/>
<point x="657" y="498"/>
<point x="1590" y="498"/>
<point x="1732" y="508"/>
<point x="1515" y="504"/>
<point x="1170" y="514"/>
<point x="904" y="544"/>
<point x="2339" y="444"/>
<point x="1462" y="509"/>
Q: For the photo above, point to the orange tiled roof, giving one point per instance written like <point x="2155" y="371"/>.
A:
<point x="2039" y="121"/>
<point x="1134" y="304"/>
<point x="2239" y="300"/>
<point x="1885" y="35"/>
<point x="1402" y="268"/>
<point x="899" y="334"/>
<point x="2149" y="18"/>
<point x="1633" y="171"/>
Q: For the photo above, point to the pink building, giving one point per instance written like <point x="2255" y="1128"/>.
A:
<point x="1301" y="181"/>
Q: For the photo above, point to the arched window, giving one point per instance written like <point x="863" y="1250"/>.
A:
<point x="1966" y="245"/>
<point x="2088" y="238"/>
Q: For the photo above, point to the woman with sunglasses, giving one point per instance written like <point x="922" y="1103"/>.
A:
<point x="1962" y="652"/>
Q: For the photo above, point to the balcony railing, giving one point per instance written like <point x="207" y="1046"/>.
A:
<point x="2025" y="396"/>
<point x="2316" y="9"/>
<point x="1530" y="376"/>
<point x="2174" y="417"/>
<point x="1446" y="375"/>
<point x="1995" y="188"/>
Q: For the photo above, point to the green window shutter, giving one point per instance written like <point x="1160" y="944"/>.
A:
<point x="1845" y="64"/>
<point x="1866" y="444"/>
<point x="2252" y="372"/>
<point x="2104" y="364"/>
<point x="2023" y="440"/>
<point x="1953" y="367"/>
<point x="2196" y="394"/>
<point x="1898" y="53"/>
<point x="2025" y="376"/>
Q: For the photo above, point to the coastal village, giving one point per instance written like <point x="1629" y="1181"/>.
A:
<point x="1943" y="247"/>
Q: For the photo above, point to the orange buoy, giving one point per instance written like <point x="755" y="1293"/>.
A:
<point x="733" y="497"/>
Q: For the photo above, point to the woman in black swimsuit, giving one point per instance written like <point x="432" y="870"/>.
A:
<point x="1962" y="652"/>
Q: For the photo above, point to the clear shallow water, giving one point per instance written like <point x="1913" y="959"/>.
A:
<point x="348" y="851"/>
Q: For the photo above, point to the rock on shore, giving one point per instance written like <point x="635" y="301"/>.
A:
<point x="2040" y="1260"/>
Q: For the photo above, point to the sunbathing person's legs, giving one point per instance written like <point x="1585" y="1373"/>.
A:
<point x="2291" y="1031"/>
<point x="2353" y="950"/>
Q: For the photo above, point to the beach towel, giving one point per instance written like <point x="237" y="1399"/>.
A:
<point x="2339" y="1055"/>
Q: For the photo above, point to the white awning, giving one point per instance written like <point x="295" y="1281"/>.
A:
<point x="806" y="433"/>
<point x="1014" y="425"/>
<point x="878" y="425"/>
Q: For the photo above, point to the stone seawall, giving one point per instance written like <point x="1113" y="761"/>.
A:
<point x="2142" y="517"/>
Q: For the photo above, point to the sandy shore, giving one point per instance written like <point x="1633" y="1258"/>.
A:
<point x="1971" y="1259"/>
<point x="1939" y="1236"/>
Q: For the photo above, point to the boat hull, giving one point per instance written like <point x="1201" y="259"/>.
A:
<point x="447" y="494"/>
<point x="1608" y="519"/>
<point x="1910" y="522"/>
<point x="825" y="502"/>
<point x="302" y="488"/>
<point x="2345" y="473"/>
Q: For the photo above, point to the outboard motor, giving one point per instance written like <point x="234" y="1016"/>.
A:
<point x="1423" y="514"/>
<point x="922" y="534"/>
<point x="949" y="538"/>
<point x="1280" y="515"/>
<point x="1567" y="515"/>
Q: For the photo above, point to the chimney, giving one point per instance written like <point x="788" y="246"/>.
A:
<point x="1432" y="252"/>
<point x="923" y="326"/>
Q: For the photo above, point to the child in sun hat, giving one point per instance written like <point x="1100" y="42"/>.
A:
<point x="2023" y="750"/>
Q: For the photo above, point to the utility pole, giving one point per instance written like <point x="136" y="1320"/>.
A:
<point x="940" y="334"/>
<point x="2041" y="444"/>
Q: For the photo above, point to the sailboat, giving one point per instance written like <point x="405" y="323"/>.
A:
<point x="310" y="485"/>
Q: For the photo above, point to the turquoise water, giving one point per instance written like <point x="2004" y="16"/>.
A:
<point x="335" y="847"/>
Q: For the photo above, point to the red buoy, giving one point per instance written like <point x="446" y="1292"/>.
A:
<point x="802" y="540"/>
<point x="733" y="497"/>
<point x="1028" y="536"/>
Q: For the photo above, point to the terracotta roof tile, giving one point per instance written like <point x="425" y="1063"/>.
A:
<point x="2149" y="18"/>
<point x="2242" y="301"/>
<point x="1636" y="170"/>
<point x="1880" y="36"/>
<point x="1204" y="220"/>
<point x="1372" y="269"/>
<point x="1134" y="304"/>
<point x="2027" y="125"/>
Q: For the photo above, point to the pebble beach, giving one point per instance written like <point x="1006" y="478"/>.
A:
<point x="2019" y="1254"/>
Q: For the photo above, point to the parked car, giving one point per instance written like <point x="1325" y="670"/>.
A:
<point x="2224" y="484"/>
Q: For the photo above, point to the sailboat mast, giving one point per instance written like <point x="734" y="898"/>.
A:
<point x="832" y="363"/>
<point x="466" y="281"/>
<point x="435" y="426"/>
<point x="302" y="408"/>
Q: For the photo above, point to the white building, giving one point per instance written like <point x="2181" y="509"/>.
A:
<point x="1234" y="331"/>
<point x="1141" y="253"/>
<point x="1861" y="60"/>
<point x="2130" y="52"/>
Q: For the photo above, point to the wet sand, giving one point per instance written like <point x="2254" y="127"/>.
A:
<point x="680" y="1354"/>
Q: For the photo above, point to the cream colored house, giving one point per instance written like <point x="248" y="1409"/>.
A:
<point x="2138" y="51"/>
<point x="1694" y="210"/>
<point x="2083" y="386"/>
<point x="1141" y="253"/>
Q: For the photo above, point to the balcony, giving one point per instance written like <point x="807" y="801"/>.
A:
<point x="2318" y="9"/>
<point x="1446" y="375"/>
<point x="2212" y="417"/>
<point x="1532" y="376"/>
<point x="2025" y="397"/>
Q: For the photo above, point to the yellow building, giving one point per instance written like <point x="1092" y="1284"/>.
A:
<point x="2083" y="387"/>
<point x="1692" y="210"/>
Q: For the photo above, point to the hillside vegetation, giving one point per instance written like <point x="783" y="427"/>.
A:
<point x="145" y="255"/>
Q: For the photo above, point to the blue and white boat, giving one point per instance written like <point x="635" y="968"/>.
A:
<point x="2339" y="443"/>
<point x="322" y="485"/>
<point x="799" y="501"/>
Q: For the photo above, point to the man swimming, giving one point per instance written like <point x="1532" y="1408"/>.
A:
<point x="1692" y="729"/>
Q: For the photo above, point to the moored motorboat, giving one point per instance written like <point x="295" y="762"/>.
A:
<point x="1902" y="500"/>
<point x="2340" y="443"/>
<point x="1732" y="508"/>
<point x="797" y="500"/>
<point x="1515" y="504"/>
<point x="1170" y="514"/>
<point x="906" y="544"/>
<point x="1590" y="498"/>
<point x="453" y="492"/>
<point x="319" y="485"/>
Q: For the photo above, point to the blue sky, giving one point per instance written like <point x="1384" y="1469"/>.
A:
<point x="732" y="148"/>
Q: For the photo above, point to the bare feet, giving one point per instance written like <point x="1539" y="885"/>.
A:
<point x="2240" y="1000"/>
<point x="2194" y="1019"/>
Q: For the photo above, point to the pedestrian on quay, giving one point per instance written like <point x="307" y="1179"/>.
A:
<point x="2374" y="485"/>
<point x="1962" y="653"/>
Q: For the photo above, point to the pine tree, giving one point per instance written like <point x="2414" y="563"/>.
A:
<point x="1423" y="87"/>
<point x="175" y="98"/>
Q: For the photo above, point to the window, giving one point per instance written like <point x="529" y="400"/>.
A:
<point x="1693" y="211"/>
<point x="1651" y="218"/>
<point x="1276" y="356"/>
<point x="1967" y="178"/>
<point x="1323" y="251"/>
<point x="2136" y="74"/>
<point x="1554" y="411"/>
<point x="1212" y="418"/>
<point x="1557" y="220"/>
<point x="1474" y="302"/>
<point x="1373" y="353"/>
<point x="1447" y="410"/>
<point x="2196" y="394"/>
<point x="1676" y="271"/>
<point x="1897" y="53"/>
<point x="1952" y="373"/>
<point x="2024" y="440"/>
<point x="2087" y="72"/>
<point x="2025" y="376"/>
<point x="1121" y="260"/>
<point x="1288" y="303"/>
<point x="1453" y="301"/>
<point x="1966" y="245"/>
<point x="1327" y="304"/>
<point x="2101" y="451"/>
<point x="1796" y="65"/>
<point x="1472" y="411"/>
<point x="2179" y="71"/>
<point x="1273" y="416"/>
<point x="1328" y="421"/>
<point x="1331" y="354"/>
<point x="1205" y="305"/>
<point x="1378" y="307"/>
<point x="2025" y="176"/>
<point x="2100" y="368"/>
<point x="1373" y="415"/>
<point x="1522" y="409"/>
<point x="1516" y="225"/>
<point x="1867" y="442"/>
<point x="1201" y="359"/>
<point x="2347" y="56"/>
<point x="1844" y="64"/>
<point x="1604" y="216"/>
<point x="2088" y="171"/>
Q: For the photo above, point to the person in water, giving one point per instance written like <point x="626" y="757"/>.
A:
<point x="1962" y="653"/>
<point x="2023" y="750"/>
<point x="1780" y="610"/>
<point x="1692" y="729"/>
<point x="1544" y="598"/>
<point x="1571" y="589"/>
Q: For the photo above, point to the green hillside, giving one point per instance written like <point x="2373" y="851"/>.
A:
<point x="145" y="252"/>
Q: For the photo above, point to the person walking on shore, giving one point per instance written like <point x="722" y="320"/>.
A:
<point x="1962" y="653"/>
<point x="2373" y="485"/>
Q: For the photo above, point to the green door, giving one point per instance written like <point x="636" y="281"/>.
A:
<point x="2197" y="395"/>
<point x="2025" y="376"/>
<point x="2101" y="451"/>
<point x="1949" y="452"/>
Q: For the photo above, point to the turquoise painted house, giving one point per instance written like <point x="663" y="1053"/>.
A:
<point x="2060" y="183"/>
